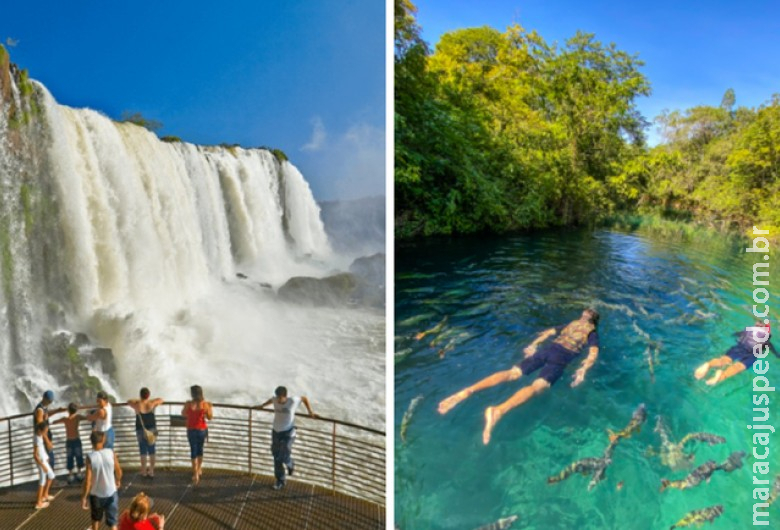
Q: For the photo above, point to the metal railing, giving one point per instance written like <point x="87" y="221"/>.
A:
<point x="337" y="455"/>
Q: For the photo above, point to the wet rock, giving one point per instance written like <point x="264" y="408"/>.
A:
<point x="370" y="268"/>
<point x="105" y="356"/>
<point x="339" y="290"/>
<point x="67" y="356"/>
<point x="336" y="290"/>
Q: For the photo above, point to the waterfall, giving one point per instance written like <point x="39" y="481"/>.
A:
<point x="110" y="237"/>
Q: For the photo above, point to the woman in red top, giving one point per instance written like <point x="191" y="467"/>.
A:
<point x="137" y="516"/>
<point x="197" y="412"/>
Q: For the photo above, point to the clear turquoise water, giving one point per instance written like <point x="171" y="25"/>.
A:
<point x="683" y="298"/>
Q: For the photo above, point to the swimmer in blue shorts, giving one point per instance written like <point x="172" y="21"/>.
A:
<point x="740" y="356"/>
<point x="550" y="360"/>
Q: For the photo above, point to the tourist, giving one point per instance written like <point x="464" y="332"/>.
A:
<point x="74" y="450"/>
<point x="739" y="356"/>
<point x="41" y="414"/>
<point x="137" y="516"/>
<point x="45" y="472"/>
<point x="104" y="476"/>
<point x="283" y="431"/>
<point x="146" y="429"/>
<point x="103" y="419"/>
<point x="552" y="359"/>
<point x="197" y="411"/>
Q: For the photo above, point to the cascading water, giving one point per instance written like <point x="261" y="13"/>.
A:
<point x="109" y="232"/>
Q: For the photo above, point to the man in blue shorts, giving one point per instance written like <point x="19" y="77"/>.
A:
<point x="740" y="356"/>
<point x="103" y="479"/>
<point x="551" y="360"/>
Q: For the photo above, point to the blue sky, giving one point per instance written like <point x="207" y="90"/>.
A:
<point x="693" y="50"/>
<point x="306" y="76"/>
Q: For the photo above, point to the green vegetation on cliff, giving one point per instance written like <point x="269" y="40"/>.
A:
<point x="139" y="119"/>
<point x="280" y="155"/>
<point x="501" y="131"/>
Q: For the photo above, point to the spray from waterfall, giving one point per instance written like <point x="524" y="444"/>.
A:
<point x="128" y="261"/>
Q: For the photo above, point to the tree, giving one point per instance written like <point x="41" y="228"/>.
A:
<point x="138" y="119"/>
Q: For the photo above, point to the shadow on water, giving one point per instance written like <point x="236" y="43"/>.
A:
<point x="665" y="307"/>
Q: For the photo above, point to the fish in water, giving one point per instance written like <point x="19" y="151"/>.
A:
<point x="414" y="320"/>
<point x="501" y="524"/>
<point x="600" y="473"/>
<point x="586" y="466"/>
<point x="400" y="355"/>
<point x="672" y="453"/>
<point x="447" y="348"/>
<point x="610" y="449"/>
<point x="448" y="333"/>
<point x="454" y="341"/>
<point x="699" y="517"/>
<point x="639" y="331"/>
<point x="710" y="439"/>
<point x="408" y="416"/>
<point x="705" y="315"/>
<point x="648" y="354"/>
<point x="619" y="486"/>
<point x="435" y="329"/>
<point x="701" y="473"/>
<point x="477" y="311"/>
<point x="635" y="425"/>
<point x="733" y="462"/>
<point x="775" y="490"/>
<point x="662" y="430"/>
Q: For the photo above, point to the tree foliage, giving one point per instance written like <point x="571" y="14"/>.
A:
<point x="138" y="119"/>
<point x="725" y="163"/>
<point x="500" y="131"/>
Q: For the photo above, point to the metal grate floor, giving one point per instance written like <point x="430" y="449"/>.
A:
<point x="222" y="500"/>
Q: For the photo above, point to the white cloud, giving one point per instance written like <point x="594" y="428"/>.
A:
<point x="356" y="162"/>
<point x="318" y="136"/>
<point x="350" y="166"/>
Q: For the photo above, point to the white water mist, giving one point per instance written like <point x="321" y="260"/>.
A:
<point x="143" y="257"/>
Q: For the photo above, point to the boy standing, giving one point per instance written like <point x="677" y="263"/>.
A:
<point x="75" y="455"/>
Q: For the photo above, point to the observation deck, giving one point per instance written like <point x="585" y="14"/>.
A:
<point x="339" y="480"/>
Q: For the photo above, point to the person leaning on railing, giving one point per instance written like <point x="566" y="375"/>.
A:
<point x="283" y="432"/>
<point x="41" y="414"/>
<point x="197" y="411"/>
<point x="102" y="419"/>
<point x="74" y="450"/>
<point x="146" y="429"/>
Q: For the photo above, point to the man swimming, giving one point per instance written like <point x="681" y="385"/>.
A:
<point x="740" y="356"/>
<point x="552" y="359"/>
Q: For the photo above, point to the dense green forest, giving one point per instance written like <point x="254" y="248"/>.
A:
<point x="502" y="131"/>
